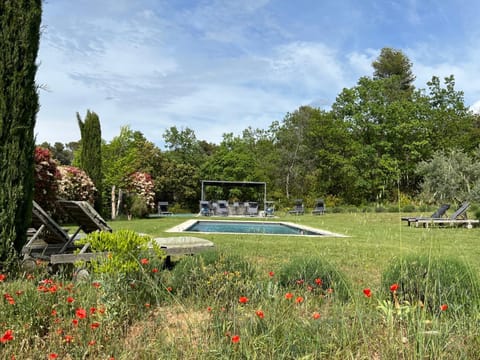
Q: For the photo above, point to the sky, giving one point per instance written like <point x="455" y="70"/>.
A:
<point x="222" y="66"/>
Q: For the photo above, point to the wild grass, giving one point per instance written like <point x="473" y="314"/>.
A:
<point x="241" y="303"/>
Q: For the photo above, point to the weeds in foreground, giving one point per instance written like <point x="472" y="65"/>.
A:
<point x="217" y="306"/>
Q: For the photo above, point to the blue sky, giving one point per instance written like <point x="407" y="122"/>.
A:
<point x="222" y="66"/>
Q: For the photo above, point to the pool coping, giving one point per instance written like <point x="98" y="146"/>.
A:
<point x="181" y="228"/>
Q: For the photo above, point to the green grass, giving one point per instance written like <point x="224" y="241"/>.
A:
<point x="193" y="311"/>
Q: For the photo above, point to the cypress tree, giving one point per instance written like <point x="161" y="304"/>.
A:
<point x="19" y="41"/>
<point x="91" y="152"/>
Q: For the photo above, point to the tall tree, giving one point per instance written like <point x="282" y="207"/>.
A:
<point x="393" y="63"/>
<point x="91" y="152"/>
<point x="19" y="40"/>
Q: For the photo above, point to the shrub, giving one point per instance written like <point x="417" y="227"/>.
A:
<point x="46" y="179"/>
<point x="408" y="208"/>
<point x="75" y="184"/>
<point x="316" y="273"/>
<point x="433" y="282"/>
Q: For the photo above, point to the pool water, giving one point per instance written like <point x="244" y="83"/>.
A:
<point x="249" y="227"/>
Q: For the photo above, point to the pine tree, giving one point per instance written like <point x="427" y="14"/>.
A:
<point x="19" y="41"/>
<point x="91" y="152"/>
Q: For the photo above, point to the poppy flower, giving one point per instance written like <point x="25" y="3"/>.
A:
<point x="243" y="300"/>
<point x="154" y="270"/>
<point x="209" y="309"/>
<point x="75" y="322"/>
<point x="299" y="300"/>
<point x="144" y="261"/>
<point x="52" y="356"/>
<point x="300" y="282"/>
<point x="92" y="342"/>
<point x="316" y="315"/>
<point x="169" y="289"/>
<point x="443" y="307"/>
<point x="7" y="336"/>
<point x="367" y="292"/>
<point x="94" y="325"/>
<point x="68" y="338"/>
<point x="81" y="313"/>
<point x="96" y="285"/>
<point x="394" y="287"/>
<point x="271" y="274"/>
<point x="54" y="312"/>
<point x="2" y="277"/>
<point x="93" y="310"/>
<point x="70" y="299"/>
<point x="288" y="295"/>
<point x="318" y="281"/>
<point x="260" y="314"/>
<point x="235" y="339"/>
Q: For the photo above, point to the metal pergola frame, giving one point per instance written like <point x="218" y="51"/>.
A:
<point x="234" y="184"/>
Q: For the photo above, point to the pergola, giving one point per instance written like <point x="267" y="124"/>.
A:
<point x="235" y="184"/>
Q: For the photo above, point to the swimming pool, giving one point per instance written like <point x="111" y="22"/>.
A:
<point x="249" y="227"/>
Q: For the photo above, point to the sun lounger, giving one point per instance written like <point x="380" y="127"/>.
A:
<point x="438" y="214"/>
<point x="163" y="208"/>
<point x="85" y="216"/>
<point x="459" y="217"/>
<point x="298" y="208"/>
<point x="319" y="207"/>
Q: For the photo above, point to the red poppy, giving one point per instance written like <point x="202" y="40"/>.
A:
<point x="92" y="342"/>
<point x="94" y="325"/>
<point x="316" y="315"/>
<point x="394" y="287"/>
<point x="2" y="277"/>
<point x="300" y="282"/>
<point x="96" y="285"/>
<point x="243" y="300"/>
<point x="154" y="270"/>
<point x="330" y="290"/>
<point x="144" y="261"/>
<point x="52" y="356"/>
<point x="299" y="300"/>
<point x="288" y="295"/>
<point x="169" y="289"/>
<point x="70" y="299"/>
<point x="235" y="339"/>
<point x="367" y="292"/>
<point x="260" y="314"/>
<point x="68" y="338"/>
<point x="209" y="309"/>
<point x="147" y="305"/>
<point x="318" y="281"/>
<point x="443" y="307"/>
<point x="271" y="274"/>
<point x="75" y="322"/>
<point x="309" y="288"/>
<point x="7" y="336"/>
<point x="93" y="310"/>
<point x="81" y="313"/>
<point x="54" y="312"/>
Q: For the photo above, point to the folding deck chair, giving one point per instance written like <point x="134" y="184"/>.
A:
<point x="298" y="209"/>
<point x="459" y="217"/>
<point x="319" y="207"/>
<point x="49" y="241"/>
<point x="85" y="216"/>
<point x="438" y="214"/>
<point x="163" y="208"/>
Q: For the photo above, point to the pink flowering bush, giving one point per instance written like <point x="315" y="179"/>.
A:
<point x="141" y="185"/>
<point x="75" y="184"/>
<point x="46" y="176"/>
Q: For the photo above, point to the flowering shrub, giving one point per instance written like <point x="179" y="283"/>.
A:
<point x="46" y="176"/>
<point x="141" y="184"/>
<point x="75" y="184"/>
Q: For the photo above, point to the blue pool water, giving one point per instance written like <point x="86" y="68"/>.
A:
<point x="249" y="227"/>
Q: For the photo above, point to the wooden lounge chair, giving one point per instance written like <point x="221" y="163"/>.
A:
<point x="438" y="214"/>
<point x="48" y="239"/>
<point x="85" y="216"/>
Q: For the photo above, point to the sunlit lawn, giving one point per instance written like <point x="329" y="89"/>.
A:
<point x="373" y="239"/>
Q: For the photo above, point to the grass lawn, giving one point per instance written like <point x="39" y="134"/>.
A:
<point x="373" y="240"/>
